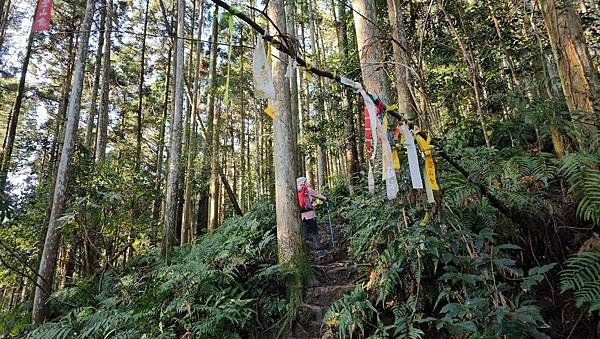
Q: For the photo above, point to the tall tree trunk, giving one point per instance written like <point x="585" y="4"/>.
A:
<point x="245" y="161"/>
<point x="4" y="16"/>
<point x="6" y="153"/>
<point x="370" y="49"/>
<point x="141" y="93"/>
<point x="48" y="260"/>
<point x="293" y="79"/>
<point x="161" y="144"/>
<point x="547" y="89"/>
<point x="322" y="106"/>
<point x="289" y="234"/>
<point x="170" y="222"/>
<point x="406" y="103"/>
<point x="188" y="215"/>
<point x="507" y="57"/>
<point x="259" y="145"/>
<point x="215" y="169"/>
<point x="50" y="172"/>
<point x="579" y="78"/>
<point x="102" y="128"/>
<point x="205" y="171"/>
<point x="89" y="134"/>
<point x="350" y="143"/>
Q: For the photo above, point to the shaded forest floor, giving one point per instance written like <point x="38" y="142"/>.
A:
<point x="399" y="269"/>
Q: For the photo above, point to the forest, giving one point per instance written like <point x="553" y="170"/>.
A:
<point x="160" y="159"/>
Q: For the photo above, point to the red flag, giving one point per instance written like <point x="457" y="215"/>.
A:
<point x="41" y="22"/>
<point x="368" y="132"/>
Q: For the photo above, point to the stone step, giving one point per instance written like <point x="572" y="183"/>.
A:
<point x="309" y="329"/>
<point x="326" y="295"/>
<point x="313" y="312"/>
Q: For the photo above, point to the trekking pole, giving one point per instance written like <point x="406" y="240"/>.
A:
<point x="330" y="225"/>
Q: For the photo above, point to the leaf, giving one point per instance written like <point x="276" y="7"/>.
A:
<point x="468" y="278"/>
<point x="508" y="247"/>
<point x="504" y="262"/>
<point x="467" y="326"/>
<point x="541" y="269"/>
<point x="530" y="282"/>
<point x="64" y="220"/>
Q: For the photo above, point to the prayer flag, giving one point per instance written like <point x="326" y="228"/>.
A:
<point x="413" y="161"/>
<point x="41" y="22"/>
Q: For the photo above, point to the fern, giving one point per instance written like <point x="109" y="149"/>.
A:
<point x="404" y="317"/>
<point x="582" y="275"/>
<point x="53" y="330"/>
<point x="352" y="313"/>
<point x="583" y="173"/>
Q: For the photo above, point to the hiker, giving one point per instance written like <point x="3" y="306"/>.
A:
<point x="309" y="222"/>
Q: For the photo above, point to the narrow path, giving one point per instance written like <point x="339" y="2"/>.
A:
<point x="333" y="277"/>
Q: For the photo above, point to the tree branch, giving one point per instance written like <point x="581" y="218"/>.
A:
<point x="22" y="274"/>
<point x="230" y="194"/>
<point x="24" y="262"/>
<point x="514" y="217"/>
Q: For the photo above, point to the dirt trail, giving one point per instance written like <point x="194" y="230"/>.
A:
<point x="334" y="276"/>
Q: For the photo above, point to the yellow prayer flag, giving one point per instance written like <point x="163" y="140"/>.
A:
<point x="270" y="112"/>
<point x="425" y="219"/>
<point x="426" y="148"/>
<point x="395" y="158"/>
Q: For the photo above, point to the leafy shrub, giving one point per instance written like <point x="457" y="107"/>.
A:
<point x="211" y="289"/>
<point x="445" y="274"/>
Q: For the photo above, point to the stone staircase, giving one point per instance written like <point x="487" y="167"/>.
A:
<point x="333" y="277"/>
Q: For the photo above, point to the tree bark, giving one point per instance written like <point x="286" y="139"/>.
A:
<point x="547" y="87"/>
<point x="188" y="215"/>
<point x="406" y="103"/>
<point x="579" y="78"/>
<point x="101" y="130"/>
<point x="244" y="161"/>
<point x="205" y="171"/>
<point x="4" y="16"/>
<point x="370" y="49"/>
<point x="259" y="147"/>
<point x="141" y="92"/>
<point x="230" y="194"/>
<point x="161" y="143"/>
<point x="48" y="260"/>
<point x="89" y="135"/>
<point x="170" y="222"/>
<point x="322" y="107"/>
<point x="293" y="80"/>
<point x="289" y="235"/>
<point x="213" y="222"/>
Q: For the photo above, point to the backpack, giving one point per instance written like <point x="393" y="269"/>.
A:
<point x="304" y="199"/>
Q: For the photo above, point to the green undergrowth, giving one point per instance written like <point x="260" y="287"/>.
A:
<point x="460" y="268"/>
<point x="226" y="285"/>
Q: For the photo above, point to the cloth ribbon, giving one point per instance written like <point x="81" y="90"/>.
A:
<point x="371" y="108"/>
<point x="270" y="111"/>
<point x="427" y="148"/>
<point x="413" y="161"/>
<point x="262" y="76"/>
<point x="391" y="181"/>
<point x="371" y="180"/>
